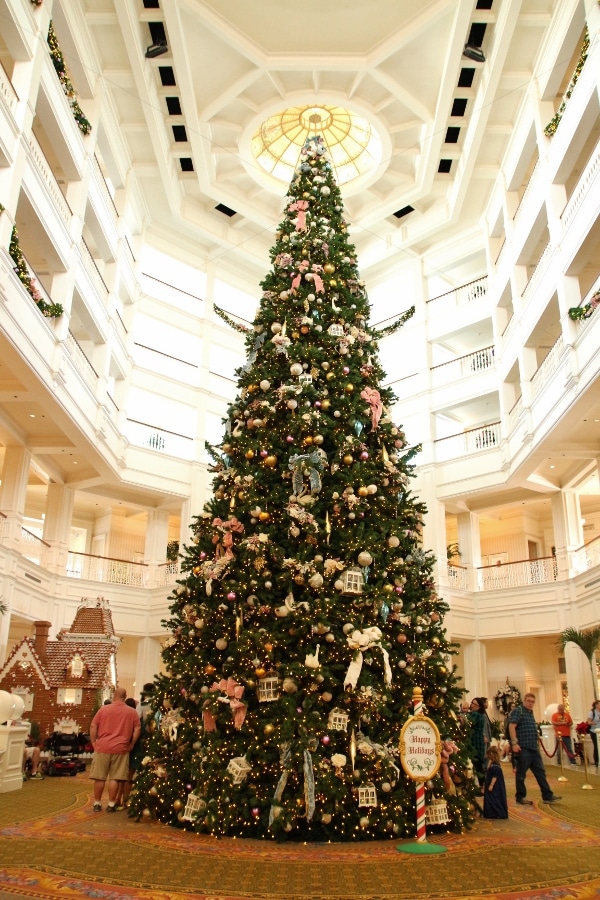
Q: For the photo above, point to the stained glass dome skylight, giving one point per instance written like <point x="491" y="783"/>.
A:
<point x="353" y="144"/>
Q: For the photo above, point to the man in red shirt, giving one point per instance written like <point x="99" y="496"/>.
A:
<point x="115" y="729"/>
<point x="562" y="722"/>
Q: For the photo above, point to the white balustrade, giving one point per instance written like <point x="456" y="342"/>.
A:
<point x="106" y="570"/>
<point x="167" y="574"/>
<point x="585" y="185"/>
<point x="467" y="293"/>
<point x="586" y="557"/>
<point x="547" y="367"/>
<point x="34" y="548"/>
<point x="537" y="274"/>
<point x="46" y="174"/>
<point x="515" y="414"/>
<point x="458" y="577"/>
<point x="81" y="363"/>
<point x="487" y="437"/>
<point x="470" y="364"/>
<point x="528" y="190"/>
<point x="7" y="92"/>
<point x="92" y="271"/>
<point x="517" y="574"/>
<point x="140" y="434"/>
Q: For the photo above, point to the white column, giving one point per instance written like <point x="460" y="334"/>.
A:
<point x="580" y="686"/>
<point x="568" y="530"/>
<point x="474" y="656"/>
<point x="13" y="492"/>
<point x="148" y="662"/>
<point x="434" y="522"/>
<point x="57" y="523"/>
<point x="157" y="536"/>
<point x="469" y="544"/>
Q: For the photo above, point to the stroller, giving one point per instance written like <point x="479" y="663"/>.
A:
<point x="64" y="751"/>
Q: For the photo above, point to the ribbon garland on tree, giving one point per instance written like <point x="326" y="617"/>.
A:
<point x="227" y="528"/>
<point x="302" y="464"/>
<point x="232" y="694"/>
<point x="373" y="398"/>
<point x="361" y="641"/>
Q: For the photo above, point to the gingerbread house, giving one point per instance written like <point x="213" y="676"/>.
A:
<point x="64" y="681"/>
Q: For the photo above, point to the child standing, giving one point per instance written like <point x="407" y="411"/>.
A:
<point x="495" y="805"/>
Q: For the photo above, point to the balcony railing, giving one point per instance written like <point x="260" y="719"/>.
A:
<point x="81" y="363"/>
<point x="515" y="413"/>
<point x="517" y="574"/>
<point x="45" y="172"/>
<point x="487" y="437"/>
<point x="458" y="576"/>
<point x="34" y="548"/>
<point x="538" y="273"/>
<point x="168" y="573"/>
<point x="585" y="186"/>
<point x="106" y="570"/>
<point x="547" y="367"/>
<point x="470" y="364"/>
<point x="587" y="557"/>
<point x="7" y="91"/>
<point x="472" y="292"/>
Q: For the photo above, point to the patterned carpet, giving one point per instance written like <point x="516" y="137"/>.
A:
<point x="52" y="845"/>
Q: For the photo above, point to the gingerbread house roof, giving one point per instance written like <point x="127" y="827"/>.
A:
<point x="91" y="637"/>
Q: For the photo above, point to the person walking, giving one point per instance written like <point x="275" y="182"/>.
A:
<point x="478" y="747"/>
<point x="524" y="742"/>
<point x="562" y="722"/>
<point x="113" y="733"/>
<point x="594" y="723"/>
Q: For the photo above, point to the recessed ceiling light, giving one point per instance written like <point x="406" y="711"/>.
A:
<point x="32" y="415"/>
<point x="552" y="467"/>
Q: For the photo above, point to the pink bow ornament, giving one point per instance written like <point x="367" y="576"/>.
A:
<point x="373" y="398"/>
<point x="300" y="206"/>
<point x="231" y="693"/>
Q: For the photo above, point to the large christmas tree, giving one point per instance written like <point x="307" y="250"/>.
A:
<point x="309" y="612"/>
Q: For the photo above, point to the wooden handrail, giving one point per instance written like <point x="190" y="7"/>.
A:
<point x="458" y="288"/>
<point x="109" y="558"/>
<point x="34" y="536"/>
<point x="516" y="562"/>
<point x="468" y="431"/>
<point x="161" y="430"/>
<point x="466" y="356"/>
<point x="167" y="355"/>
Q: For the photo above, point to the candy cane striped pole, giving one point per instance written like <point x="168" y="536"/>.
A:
<point x="420" y="788"/>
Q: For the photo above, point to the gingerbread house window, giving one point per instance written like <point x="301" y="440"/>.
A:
<point x="76" y="666"/>
<point x="69" y="695"/>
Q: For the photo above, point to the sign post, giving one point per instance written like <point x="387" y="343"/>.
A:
<point x="421" y="757"/>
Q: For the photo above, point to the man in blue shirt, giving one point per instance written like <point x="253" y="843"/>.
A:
<point x="523" y="732"/>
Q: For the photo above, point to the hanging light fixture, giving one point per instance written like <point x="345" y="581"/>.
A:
<point x="474" y="53"/>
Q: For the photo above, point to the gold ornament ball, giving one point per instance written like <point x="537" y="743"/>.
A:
<point x="325" y="404"/>
<point x="249" y="454"/>
<point x="308" y="440"/>
<point x="271" y="461"/>
<point x="362" y="491"/>
<point x="306" y="194"/>
<point x="349" y="388"/>
<point x="227" y="448"/>
<point x="196" y="570"/>
<point x="146" y="813"/>
<point x="333" y="282"/>
<point x="268" y="646"/>
<point x="435" y="641"/>
<point x="177" y="805"/>
<point x="329" y="268"/>
<point x="295" y="335"/>
<point x="348" y="459"/>
<point x="260" y="672"/>
<point x="242" y="495"/>
<point x="304" y="329"/>
<point x="402" y="639"/>
<point x="442" y="670"/>
<point x="268" y="729"/>
<point x="264" y="516"/>
<point x="209" y="669"/>
<point x="153" y="792"/>
<point x="388" y="588"/>
<point x="330" y="376"/>
<point x="325" y="366"/>
<point x="252" y="388"/>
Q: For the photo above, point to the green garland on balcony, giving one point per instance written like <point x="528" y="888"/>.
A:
<point x="237" y="326"/>
<point x="49" y="310"/>
<point x="67" y="86"/>
<point x="390" y="329"/>
<point x="577" y="313"/>
<point x="552" y="125"/>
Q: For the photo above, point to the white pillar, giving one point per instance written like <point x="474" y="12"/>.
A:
<point x="469" y="544"/>
<point x="57" y="523"/>
<point x="568" y="530"/>
<point x="580" y="686"/>
<point x="13" y="492"/>
<point x="148" y="662"/>
<point x="157" y="536"/>
<point x="474" y="656"/>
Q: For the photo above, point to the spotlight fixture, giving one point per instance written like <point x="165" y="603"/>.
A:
<point x="156" y="49"/>
<point x="473" y="52"/>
